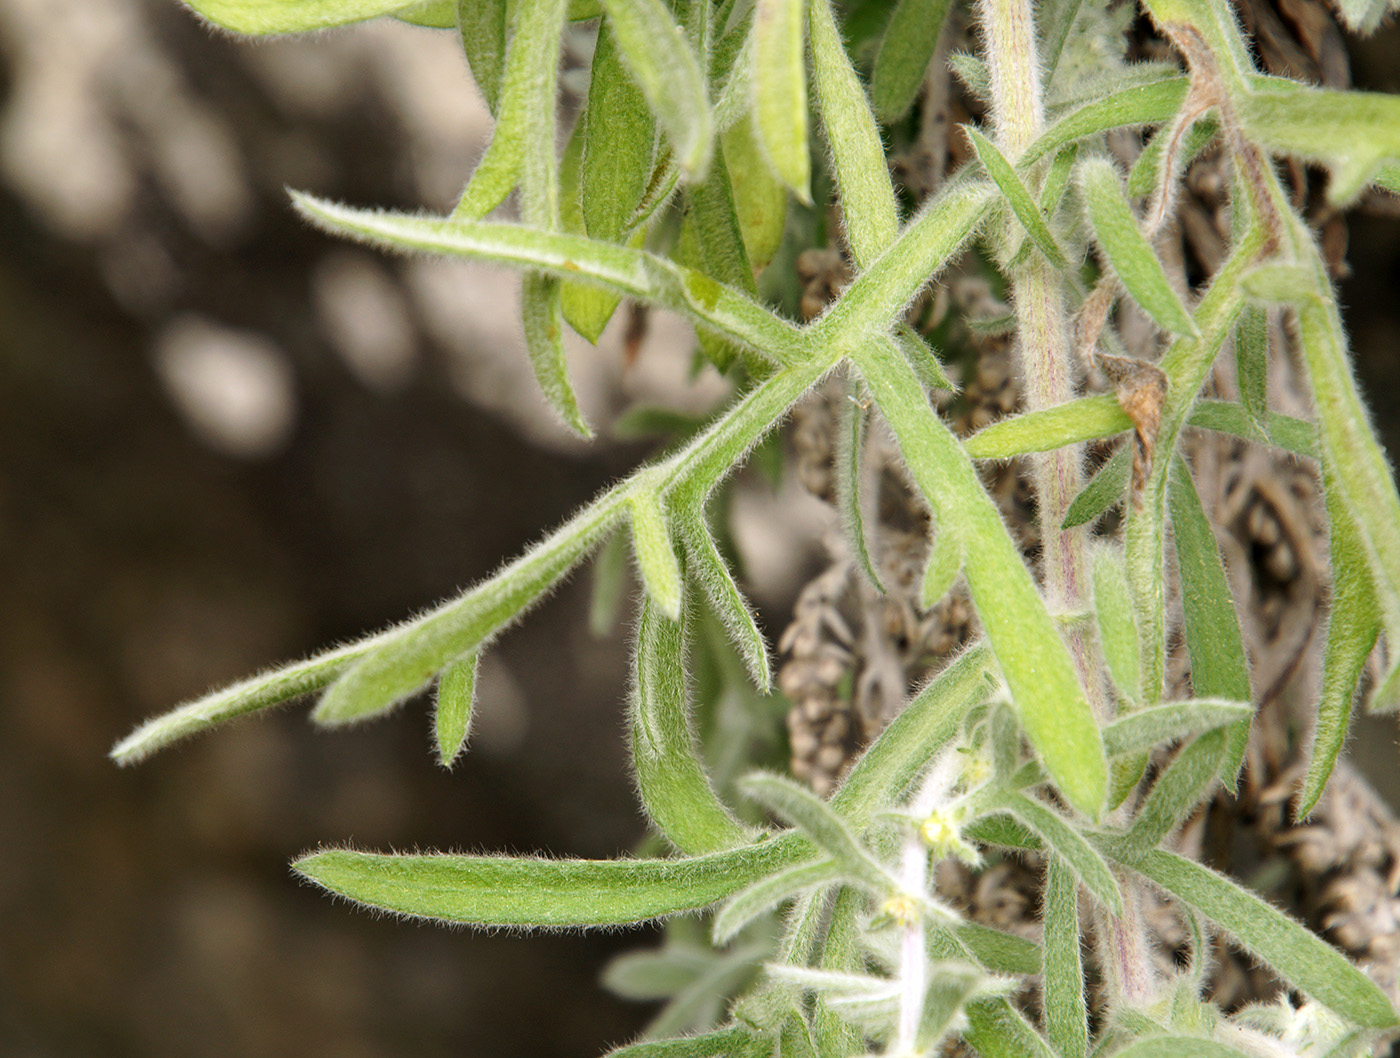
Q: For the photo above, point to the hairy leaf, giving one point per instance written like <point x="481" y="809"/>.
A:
<point x="1066" y="1010"/>
<point x="1146" y="728"/>
<point x="656" y="558"/>
<point x="452" y="710"/>
<point x="1071" y="846"/>
<point x="906" y="49"/>
<point x="708" y="567"/>
<point x="482" y="24"/>
<point x="1113" y="608"/>
<point x="764" y="895"/>
<point x="779" y="80"/>
<point x="1025" y="207"/>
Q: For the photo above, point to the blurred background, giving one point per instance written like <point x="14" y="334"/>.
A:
<point x="226" y="441"/>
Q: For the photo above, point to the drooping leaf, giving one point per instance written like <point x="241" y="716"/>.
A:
<point x="1025" y="207"/>
<point x="669" y="74"/>
<point x="1131" y="256"/>
<point x="586" y="308"/>
<point x="1104" y="490"/>
<point x="1070" y="845"/>
<point x="1219" y="665"/>
<point x="1066" y="1009"/>
<point x="452" y="710"/>
<point x="760" y="200"/>
<point x="707" y="566"/>
<point x="779" y="80"/>
<point x="1123" y="108"/>
<point x="656" y="557"/>
<point x="766" y="894"/>
<point x="671" y="778"/>
<point x="1277" y="941"/>
<point x="1146" y="728"/>
<point x="799" y="807"/>
<point x="542" y="313"/>
<point x="848" y="464"/>
<point x="1352" y="629"/>
<point x="482" y="24"/>
<point x="906" y="49"/>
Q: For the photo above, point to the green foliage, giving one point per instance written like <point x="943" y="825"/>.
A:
<point x="670" y="193"/>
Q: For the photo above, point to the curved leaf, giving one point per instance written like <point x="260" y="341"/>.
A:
<point x="780" y="90"/>
<point x="1071" y="846"/>
<point x="295" y="16"/>
<point x="906" y="48"/>
<point x="708" y="567"/>
<point x="452" y="710"/>
<point x="656" y="558"/>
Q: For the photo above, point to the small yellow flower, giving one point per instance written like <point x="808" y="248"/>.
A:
<point x="902" y="908"/>
<point x="938" y="832"/>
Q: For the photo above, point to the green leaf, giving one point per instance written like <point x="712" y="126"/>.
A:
<point x="1252" y="367"/>
<point x="452" y="711"/>
<point x="399" y="662"/>
<point x="633" y="273"/>
<point x="1054" y="20"/>
<point x="1145" y="104"/>
<point x="780" y="91"/>
<point x="708" y="567"/>
<point x="764" y="895"/>
<point x="586" y="308"/>
<point x="945" y="557"/>
<point x="294" y="16"/>
<point x="1022" y="204"/>
<point x="760" y="200"/>
<point x="523" y="892"/>
<point x="906" y="49"/>
<point x="850" y="447"/>
<point x="724" y="1043"/>
<point x="868" y="204"/>
<point x="1138" y="268"/>
<point x="1352" y="630"/>
<point x="541" y="305"/>
<point x="1277" y="941"/>
<point x="1146" y="728"/>
<point x="1066" y="1011"/>
<point x="609" y="585"/>
<point x="1219" y="665"/>
<point x="1282" y="431"/>
<point x="1146" y="175"/>
<point x="1027" y="645"/>
<point x="900" y="753"/>
<point x="1071" y="846"/>
<point x="1177" y="792"/>
<point x="434" y="14"/>
<point x="1281" y="282"/>
<point x="999" y="952"/>
<point x="671" y="777"/>
<point x="1104" y="490"/>
<point x="1177" y="1047"/>
<point x="996" y="1029"/>
<point x="1085" y="419"/>
<point x="1350" y="132"/>
<point x="799" y="807"/>
<point x="921" y="358"/>
<point x="656" y="558"/>
<point x="482" y="24"/>
<point x="655" y="974"/>
<point x="669" y="74"/>
<point x="247" y="696"/>
<point x="1113" y="608"/>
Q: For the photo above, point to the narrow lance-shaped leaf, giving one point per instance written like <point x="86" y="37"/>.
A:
<point x="707" y="566"/>
<point x="586" y="308"/>
<point x="609" y="584"/>
<point x="526" y="107"/>
<point x="1178" y="790"/>
<point x="1028" y="648"/>
<point x="868" y="204"/>
<point x="542" y="312"/>
<point x="780" y="90"/>
<point x="1113" y="607"/>
<point x="452" y="710"/>
<point x="906" y="49"/>
<point x="1252" y="366"/>
<point x="1071" y="846"/>
<point x="1104" y="490"/>
<point x="482" y="24"/>
<point x="1146" y="104"/>
<point x="850" y="449"/>
<point x="760" y="200"/>
<point x="632" y="272"/>
<point x="1352" y="630"/>
<point x="945" y="557"/>
<point x="1066" y="1012"/>
<point x="818" y="821"/>
<point x="656" y="558"/>
<point x="1022" y="204"/>
<point x="263" y="17"/>
<point x="768" y="893"/>
<point x="722" y="1043"/>
<point x="1277" y="941"/>
<point x="996" y="1029"/>
<point x="670" y="76"/>
<point x="434" y="14"/>
<point x="1146" y="728"/>
<point x="711" y="241"/>
<point x="1178" y="1047"/>
<point x="1128" y="252"/>
<point x="496" y="891"/>
<point x="401" y="661"/>
<point x="671" y="777"/>
<point x="1219" y="666"/>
